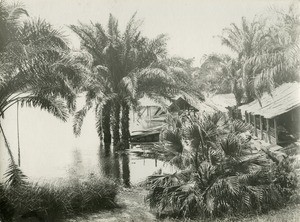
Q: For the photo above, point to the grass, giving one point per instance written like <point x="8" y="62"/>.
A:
<point x="133" y="208"/>
<point x="291" y="213"/>
<point x="52" y="201"/>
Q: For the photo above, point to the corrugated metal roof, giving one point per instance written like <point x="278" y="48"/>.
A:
<point x="283" y="99"/>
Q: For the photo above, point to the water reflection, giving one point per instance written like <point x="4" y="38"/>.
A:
<point x="131" y="166"/>
<point x="110" y="162"/>
<point x="125" y="169"/>
<point x="65" y="156"/>
<point x="76" y="170"/>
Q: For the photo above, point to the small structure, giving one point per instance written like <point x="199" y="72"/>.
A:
<point x="190" y="105"/>
<point x="148" y="120"/>
<point x="180" y="105"/>
<point x="151" y="118"/>
<point x="276" y="116"/>
<point x="221" y="101"/>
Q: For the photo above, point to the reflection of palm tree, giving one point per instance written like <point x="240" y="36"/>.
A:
<point x="125" y="169"/>
<point x="109" y="162"/>
<point x="116" y="166"/>
<point x="105" y="160"/>
<point x="75" y="172"/>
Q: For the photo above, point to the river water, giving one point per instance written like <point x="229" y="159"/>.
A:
<point x="50" y="151"/>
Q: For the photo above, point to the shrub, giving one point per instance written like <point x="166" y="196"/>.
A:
<point x="286" y="177"/>
<point x="57" y="200"/>
<point x="219" y="173"/>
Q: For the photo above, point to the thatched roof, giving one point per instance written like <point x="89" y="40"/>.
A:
<point x="282" y="99"/>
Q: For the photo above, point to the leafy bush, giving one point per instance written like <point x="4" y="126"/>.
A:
<point x="57" y="200"/>
<point x="286" y="177"/>
<point x="219" y="173"/>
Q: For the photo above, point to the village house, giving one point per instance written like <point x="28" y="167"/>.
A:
<point x="275" y="116"/>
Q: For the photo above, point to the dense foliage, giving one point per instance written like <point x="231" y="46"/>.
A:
<point x="116" y="62"/>
<point x="125" y="66"/>
<point x="265" y="55"/>
<point x="219" y="171"/>
<point x="37" y="67"/>
<point x="53" y="201"/>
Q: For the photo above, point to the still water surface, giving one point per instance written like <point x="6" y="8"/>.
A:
<point x="50" y="151"/>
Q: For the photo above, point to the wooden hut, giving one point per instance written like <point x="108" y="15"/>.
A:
<point x="276" y="116"/>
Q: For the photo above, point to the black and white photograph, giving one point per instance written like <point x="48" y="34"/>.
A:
<point x="149" y="110"/>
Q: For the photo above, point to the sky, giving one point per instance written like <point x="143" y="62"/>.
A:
<point x="191" y="25"/>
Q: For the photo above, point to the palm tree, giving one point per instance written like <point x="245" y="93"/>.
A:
<point x="36" y="69"/>
<point x="175" y="76"/>
<point x="218" y="172"/>
<point x="279" y="62"/>
<point x="246" y="41"/>
<point x="118" y="61"/>
<point x="125" y="67"/>
<point x="9" y="23"/>
<point x="222" y="74"/>
<point x="267" y="51"/>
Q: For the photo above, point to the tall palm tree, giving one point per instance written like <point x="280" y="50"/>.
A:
<point x="36" y="69"/>
<point x="267" y="51"/>
<point x="9" y="24"/>
<point x="279" y="62"/>
<point x="118" y="60"/>
<point x="222" y="74"/>
<point x="247" y="40"/>
<point x="125" y="67"/>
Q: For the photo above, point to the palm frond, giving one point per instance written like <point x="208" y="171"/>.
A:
<point x="14" y="176"/>
<point x="54" y="106"/>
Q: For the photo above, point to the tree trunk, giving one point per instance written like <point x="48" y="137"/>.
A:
<point x="116" y="123"/>
<point x="106" y="122"/>
<point x="249" y="97"/>
<point x="7" y="146"/>
<point x="238" y="94"/>
<point x="125" y="125"/>
<point x="18" y="134"/>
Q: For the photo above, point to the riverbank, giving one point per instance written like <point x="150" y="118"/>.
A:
<point x="133" y="209"/>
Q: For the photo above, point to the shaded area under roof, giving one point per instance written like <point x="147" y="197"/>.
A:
<point x="282" y="99"/>
<point x="181" y="104"/>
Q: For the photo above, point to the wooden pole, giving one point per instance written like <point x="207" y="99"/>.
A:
<point x="268" y="131"/>
<point x="248" y="117"/>
<point x="275" y="130"/>
<point x="261" y="127"/>
<point x="18" y="134"/>
<point x="255" y="128"/>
